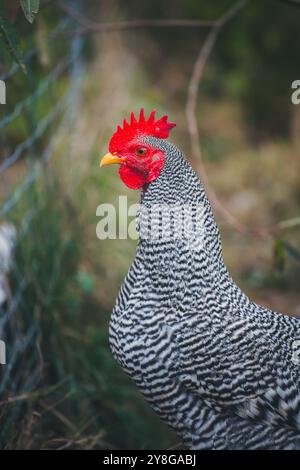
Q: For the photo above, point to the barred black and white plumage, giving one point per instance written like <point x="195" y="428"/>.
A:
<point x="215" y="366"/>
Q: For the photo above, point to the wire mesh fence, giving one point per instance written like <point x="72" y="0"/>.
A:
<point x="41" y="112"/>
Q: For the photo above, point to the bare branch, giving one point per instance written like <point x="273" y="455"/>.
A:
<point x="191" y="108"/>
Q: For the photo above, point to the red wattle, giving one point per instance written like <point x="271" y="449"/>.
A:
<point x="132" y="177"/>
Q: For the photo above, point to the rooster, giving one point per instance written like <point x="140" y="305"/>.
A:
<point x="221" y="370"/>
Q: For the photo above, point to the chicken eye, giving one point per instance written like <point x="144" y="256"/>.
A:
<point x="141" y="151"/>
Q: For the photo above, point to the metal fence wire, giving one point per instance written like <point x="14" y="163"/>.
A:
<point x="47" y="114"/>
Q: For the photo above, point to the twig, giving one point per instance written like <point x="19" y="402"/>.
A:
<point x="134" y="24"/>
<point x="191" y="108"/>
<point x="89" y="26"/>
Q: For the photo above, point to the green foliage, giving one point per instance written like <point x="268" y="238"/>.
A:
<point x="282" y="248"/>
<point x="82" y="398"/>
<point x="10" y="34"/>
<point x="279" y="255"/>
<point x="30" y="9"/>
<point x="86" y="281"/>
<point x="10" y="37"/>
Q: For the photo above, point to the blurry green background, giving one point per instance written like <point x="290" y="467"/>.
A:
<point x="62" y="387"/>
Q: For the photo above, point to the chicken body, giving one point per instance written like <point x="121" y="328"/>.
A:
<point x="216" y="367"/>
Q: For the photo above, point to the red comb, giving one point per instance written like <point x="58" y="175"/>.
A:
<point x="142" y="126"/>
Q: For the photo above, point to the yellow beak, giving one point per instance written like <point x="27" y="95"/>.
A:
<point x="110" y="159"/>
